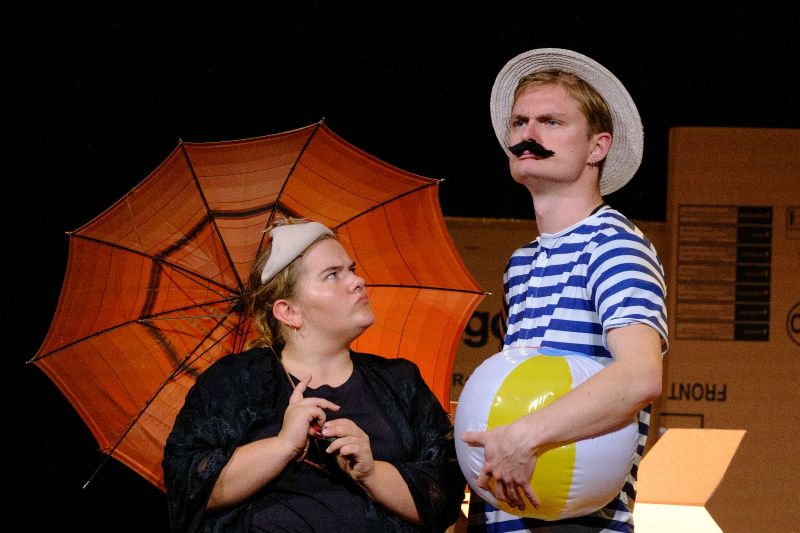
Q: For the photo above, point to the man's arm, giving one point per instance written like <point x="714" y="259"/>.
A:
<point x="609" y="399"/>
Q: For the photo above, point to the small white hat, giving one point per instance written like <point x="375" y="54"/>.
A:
<point x="625" y="154"/>
<point x="288" y="242"/>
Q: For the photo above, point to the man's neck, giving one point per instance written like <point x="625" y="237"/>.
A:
<point x="556" y="213"/>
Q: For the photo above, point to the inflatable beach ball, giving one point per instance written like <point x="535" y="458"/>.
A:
<point x="574" y="479"/>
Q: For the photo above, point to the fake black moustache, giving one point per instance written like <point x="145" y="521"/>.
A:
<point x="530" y="146"/>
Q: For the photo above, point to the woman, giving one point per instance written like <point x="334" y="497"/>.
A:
<point x="300" y="433"/>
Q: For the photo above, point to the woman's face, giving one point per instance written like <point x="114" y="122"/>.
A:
<point x="331" y="298"/>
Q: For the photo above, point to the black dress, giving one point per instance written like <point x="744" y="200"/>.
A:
<point x="242" y="396"/>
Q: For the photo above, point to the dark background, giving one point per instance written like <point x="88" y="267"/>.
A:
<point x="96" y="97"/>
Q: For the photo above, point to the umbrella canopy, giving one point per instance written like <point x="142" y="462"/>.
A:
<point x="152" y="291"/>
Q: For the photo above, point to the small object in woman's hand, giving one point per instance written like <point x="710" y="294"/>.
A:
<point x="318" y="433"/>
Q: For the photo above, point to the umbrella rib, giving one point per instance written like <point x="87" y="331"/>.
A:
<point x="244" y="334"/>
<point x="427" y="287"/>
<point x="400" y="286"/>
<point x="209" y="214"/>
<point x="147" y="318"/>
<point x="175" y="372"/>
<point x="392" y="199"/>
<point x="286" y="181"/>
<point x="186" y="362"/>
<point x="155" y="258"/>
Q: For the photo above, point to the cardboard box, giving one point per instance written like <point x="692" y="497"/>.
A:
<point x="734" y="309"/>
<point x="677" y="478"/>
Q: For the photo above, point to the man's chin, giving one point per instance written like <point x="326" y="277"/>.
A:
<point x="526" y="179"/>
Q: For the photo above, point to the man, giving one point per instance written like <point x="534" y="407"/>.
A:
<point x="590" y="283"/>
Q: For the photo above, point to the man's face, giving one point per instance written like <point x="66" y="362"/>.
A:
<point x="551" y="117"/>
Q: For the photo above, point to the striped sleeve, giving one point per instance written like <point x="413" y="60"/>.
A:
<point x="626" y="281"/>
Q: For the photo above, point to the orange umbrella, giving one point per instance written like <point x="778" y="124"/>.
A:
<point x="152" y="291"/>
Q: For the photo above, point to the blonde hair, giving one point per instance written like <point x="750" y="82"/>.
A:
<point x="591" y="104"/>
<point x="260" y="297"/>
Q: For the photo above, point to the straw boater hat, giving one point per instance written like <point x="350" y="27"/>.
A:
<point x="625" y="155"/>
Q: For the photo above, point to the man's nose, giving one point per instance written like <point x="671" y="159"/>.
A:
<point x="530" y="132"/>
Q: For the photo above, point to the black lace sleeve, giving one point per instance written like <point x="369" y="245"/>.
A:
<point x="434" y="477"/>
<point x="213" y="421"/>
<point x="431" y="470"/>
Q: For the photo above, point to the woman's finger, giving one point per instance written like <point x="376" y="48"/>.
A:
<point x="299" y="389"/>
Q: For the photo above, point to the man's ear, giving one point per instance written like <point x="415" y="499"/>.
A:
<point x="602" y="144"/>
<point x="286" y="313"/>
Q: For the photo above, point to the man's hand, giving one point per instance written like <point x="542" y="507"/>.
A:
<point x="508" y="464"/>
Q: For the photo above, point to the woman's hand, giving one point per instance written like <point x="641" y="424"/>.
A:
<point x="300" y="415"/>
<point x="352" y="448"/>
<point x="253" y="465"/>
<point x="381" y="481"/>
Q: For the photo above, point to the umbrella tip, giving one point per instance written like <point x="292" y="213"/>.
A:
<point x="102" y="463"/>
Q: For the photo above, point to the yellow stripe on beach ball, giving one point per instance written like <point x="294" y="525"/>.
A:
<point x="531" y="385"/>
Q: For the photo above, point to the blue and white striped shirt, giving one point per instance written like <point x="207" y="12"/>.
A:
<point x="566" y="291"/>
